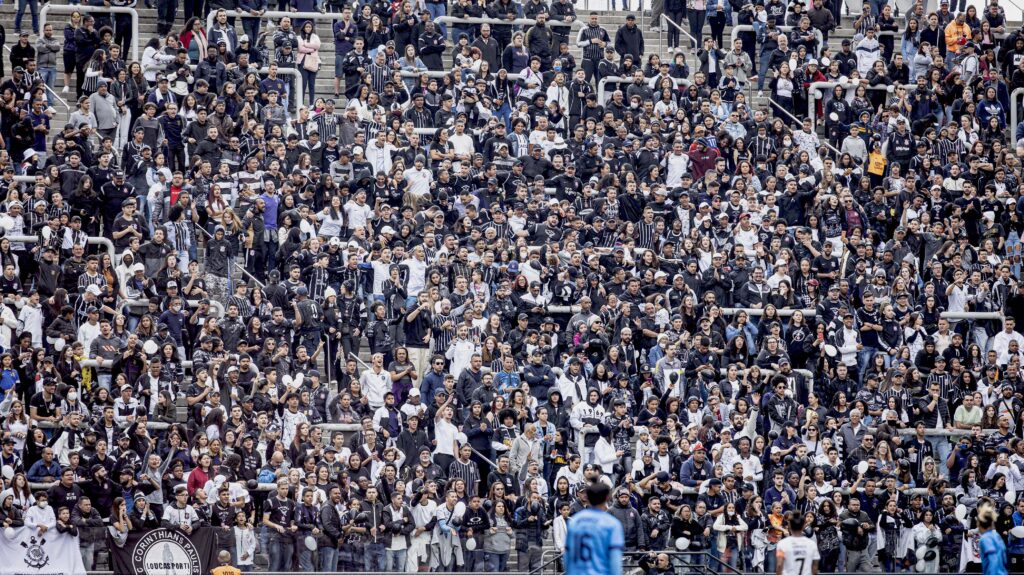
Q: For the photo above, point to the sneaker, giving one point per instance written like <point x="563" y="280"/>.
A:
<point x="64" y="90"/>
<point x="655" y="29"/>
<point x="760" y="93"/>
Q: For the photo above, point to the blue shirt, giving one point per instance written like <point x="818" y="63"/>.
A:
<point x="593" y="544"/>
<point x="993" y="553"/>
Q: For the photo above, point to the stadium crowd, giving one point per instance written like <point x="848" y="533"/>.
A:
<point x="726" y="310"/>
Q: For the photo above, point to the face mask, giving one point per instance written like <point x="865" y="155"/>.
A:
<point x="787" y="142"/>
<point x="72" y="396"/>
<point x="42" y="504"/>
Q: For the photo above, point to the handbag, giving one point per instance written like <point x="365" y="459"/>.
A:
<point x="309" y="64"/>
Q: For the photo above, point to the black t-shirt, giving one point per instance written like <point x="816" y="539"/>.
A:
<point x="280" y="511"/>
<point x="312" y="315"/>
<point x="44" y="407"/>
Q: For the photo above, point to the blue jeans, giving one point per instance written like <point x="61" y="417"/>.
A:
<point x="49" y="74"/>
<point x="305" y="558"/>
<point x="328" y="559"/>
<point x="763" y="69"/>
<point x="308" y="84"/>
<point x="34" y="5"/>
<point x="394" y="561"/>
<point x="496" y="562"/>
<point x="504" y="113"/>
<point x="281" y="548"/>
<point x="864" y="360"/>
<point x="436" y="11"/>
<point x="373" y="556"/>
<point x="942" y="448"/>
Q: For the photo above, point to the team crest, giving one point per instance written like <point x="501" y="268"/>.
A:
<point x="35" y="555"/>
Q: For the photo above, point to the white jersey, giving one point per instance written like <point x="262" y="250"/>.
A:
<point x="797" y="555"/>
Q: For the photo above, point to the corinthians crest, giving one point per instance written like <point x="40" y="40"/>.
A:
<point x="35" y="556"/>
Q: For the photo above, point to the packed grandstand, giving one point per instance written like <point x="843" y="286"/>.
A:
<point x="384" y="286"/>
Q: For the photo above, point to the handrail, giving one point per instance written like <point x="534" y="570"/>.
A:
<point x="814" y="91"/>
<point x="438" y="74"/>
<point x="236" y="264"/>
<point x="48" y="88"/>
<point x="93" y="240"/>
<point x="779" y="107"/>
<point x="502" y="21"/>
<point x="71" y="8"/>
<point x="269" y="16"/>
<point x="294" y="72"/>
<point x="601" y="98"/>
<point x="665" y="18"/>
<point x="749" y="28"/>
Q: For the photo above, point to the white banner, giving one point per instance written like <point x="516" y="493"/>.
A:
<point x="29" y="553"/>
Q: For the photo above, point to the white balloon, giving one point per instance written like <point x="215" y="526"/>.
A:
<point x="818" y="94"/>
<point x="9" y="533"/>
<point x="834" y="117"/>
<point x="1018" y="532"/>
<point x="831" y="350"/>
<point x="960" y="512"/>
<point x="287" y="380"/>
<point x="8" y="472"/>
<point x="310" y="543"/>
<point x="825" y="62"/>
<point x="305" y="227"/>
<point x="682" y="544"/>
<point x="470" y="544"/>
<point x="59" y="344"/>
<point x="459" y="511"/>
<point x="792" y="64"/>
<point x="150" y="347"/>
<point x="297" y="382"/>
<point x="1010" y="496"/>
<point x="862" y="467"/>
<point x="844" y="80"/>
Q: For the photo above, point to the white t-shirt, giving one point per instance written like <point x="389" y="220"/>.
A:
<point x="797" y="555"/>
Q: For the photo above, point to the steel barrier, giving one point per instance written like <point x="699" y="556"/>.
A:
<point x="69" y="9"/>
<point x="749" y="28"/>
<point x="602" y="99"/>
<point x="815" y="93"/>
<point x="92" y="240"/>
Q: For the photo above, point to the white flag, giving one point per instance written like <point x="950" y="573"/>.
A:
<point x="29" y="553"/>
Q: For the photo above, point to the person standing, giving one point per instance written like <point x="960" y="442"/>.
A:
<point x="797" y="554"/>
<point x="595" y="539"/>
<point x="991" y="546"/>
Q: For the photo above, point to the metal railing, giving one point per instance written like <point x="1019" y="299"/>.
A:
<point x="48" y="89"/>
<point x="666" y="21"/>
<point x="814" y="93"/>
<point x="69" y="9"/>
<point x="781" y="108"/>
<point x="293" y="72"/>
<point x="502" y="22"/>
<point x="240" y="267"/>
<point x="603" y="99"/>
<point x="271" y="15"/>
<point x="92" y="240"/>
<point x="748" y="28"/>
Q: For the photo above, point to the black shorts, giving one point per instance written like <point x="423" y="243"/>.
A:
<point x="69" y="62"/>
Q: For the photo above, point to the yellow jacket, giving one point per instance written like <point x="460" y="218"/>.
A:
<point x="954" y="32"/>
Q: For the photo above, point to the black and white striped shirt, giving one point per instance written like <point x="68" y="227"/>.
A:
<point x="467" y="472"/>
<point x="443" y="337"/>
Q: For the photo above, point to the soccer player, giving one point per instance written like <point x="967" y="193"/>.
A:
<point x="796" y="554"/>
<point x="594" y="543"/>
<point x="991" y="546"/>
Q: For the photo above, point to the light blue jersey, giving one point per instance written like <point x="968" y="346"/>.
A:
<point x="993" y="553"/>
<point x="593" y="544"/>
